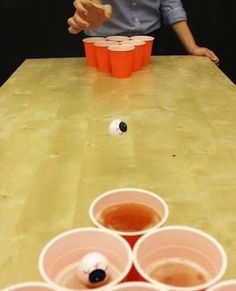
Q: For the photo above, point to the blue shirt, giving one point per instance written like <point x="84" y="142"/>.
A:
<point x="130" y="17"/>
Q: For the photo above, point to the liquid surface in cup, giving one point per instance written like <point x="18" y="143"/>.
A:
<point x="129" y="217"/>
<point x="179" y="273"/>
<point x="68" y="278"/>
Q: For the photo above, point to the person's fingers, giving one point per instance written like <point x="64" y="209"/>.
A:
<point x="202" y="51"/>
<point x="81" y="22"/>
<point x="213" y="57"/>
<point x="210" y="54"/>
<point x="77" y="23"/>
<point x="108" y="11"/>
<point x="80" y="6"/>
<point x="96" y="15"/>
<point x="73" y="30"/>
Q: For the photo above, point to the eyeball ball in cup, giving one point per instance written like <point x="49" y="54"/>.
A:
<point x="93" y="270"/>
<point x="117" y="127"/>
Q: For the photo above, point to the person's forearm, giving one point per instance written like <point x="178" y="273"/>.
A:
<point x="182" y="30"/>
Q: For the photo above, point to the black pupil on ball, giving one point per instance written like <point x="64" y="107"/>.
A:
<point x="97" y="276"/>
<point x="123" y="126"/>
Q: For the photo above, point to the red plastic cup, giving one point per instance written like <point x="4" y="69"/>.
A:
<point x="136" y="286"/>
<point x="90" y="52"/>
<point x="117" y="38"/>
<point x="227" y="285"/>
<point x="59" y="259"/>
<point x="102" y="55"/>
<point x="30" y="286"/>
<point x="184" y="245"/>
<point x="148" y="47"/>
<point x="138" y="53"/>
<point x="121" y="58"/>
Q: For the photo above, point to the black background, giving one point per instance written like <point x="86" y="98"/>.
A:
<point x="38" y="29"/>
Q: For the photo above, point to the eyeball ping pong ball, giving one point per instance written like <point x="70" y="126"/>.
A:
<point x="117" y="127"/>
<point x="93" y="270"/>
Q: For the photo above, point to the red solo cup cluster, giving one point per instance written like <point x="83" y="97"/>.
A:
<point x="118" y="55"/>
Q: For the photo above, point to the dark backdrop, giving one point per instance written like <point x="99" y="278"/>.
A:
<point x="38" y="28"/>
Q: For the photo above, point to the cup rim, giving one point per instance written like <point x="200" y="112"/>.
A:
<point x="93" y="39"/>
<point x="105" y="43"/>
<point x="28" y="284"/>
<point x="224" y="283"/>
<point x="121" y="47"/>
<point x="142" y="37"/>
<point x="85" y="229"/>
<point x="137" y="284"/>
<point x="128" y="233"/>
<point x="118" y="37"/>
<point x="183" y="228"/>
<point x="134" y="42"/>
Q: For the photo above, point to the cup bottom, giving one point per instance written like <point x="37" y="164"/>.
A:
<point x="179" y="273"/>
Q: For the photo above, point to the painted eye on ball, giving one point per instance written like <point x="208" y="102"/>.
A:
<point x="93" y="270"/>
<point x="117" y="127"/>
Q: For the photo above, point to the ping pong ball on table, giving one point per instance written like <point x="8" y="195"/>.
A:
<point x="93" y="270"/>
<point x="117" y="127"/>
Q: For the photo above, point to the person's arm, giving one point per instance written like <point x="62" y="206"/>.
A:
<point x="175" y="15"/>
<point x="89" y="14"/>
<point x="182" y="30"/>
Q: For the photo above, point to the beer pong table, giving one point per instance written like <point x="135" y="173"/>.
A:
<point x="56" y="154"/>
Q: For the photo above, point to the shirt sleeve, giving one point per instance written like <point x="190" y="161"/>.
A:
<point x="172" y="11"/>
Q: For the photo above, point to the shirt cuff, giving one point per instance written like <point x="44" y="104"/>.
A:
<point x="175" y="15"/>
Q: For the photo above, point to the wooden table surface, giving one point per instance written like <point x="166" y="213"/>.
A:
<point x="56" y="154"/>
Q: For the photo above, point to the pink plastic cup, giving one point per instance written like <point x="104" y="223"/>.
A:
<point x="135" y="286"/>
<point x="138" y="53"/>
<point x="121" y="58"/>
<point x="90" y="52"/>
<point x="59" y="259"/>
<point x="227" y="285"/>
<point x="183" y="244"/>
<point x="30" y="286"/>
<point x="117" y="38"/>
<point x="129" y="195"/>
<point x="148" y="47"/>
<point x="102" y="55"/>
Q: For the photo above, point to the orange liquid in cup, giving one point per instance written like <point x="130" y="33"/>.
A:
<point x="129" y="217"/>
<point x="179" y="273"/>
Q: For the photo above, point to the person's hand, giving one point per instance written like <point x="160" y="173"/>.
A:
<point x="205" y="52"/>
<point x="89" y="14"/>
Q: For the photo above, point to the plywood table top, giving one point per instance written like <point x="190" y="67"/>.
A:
<point x="56" y="153"/>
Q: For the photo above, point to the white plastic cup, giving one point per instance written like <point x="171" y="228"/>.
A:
<point x="135" y="286"/>
<point x="129" y="195"/>
<point x="64" y="251"/>
<point x="227" y="285"/>
<point x="182" y="243"/>
<point x="30" y="286"/>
